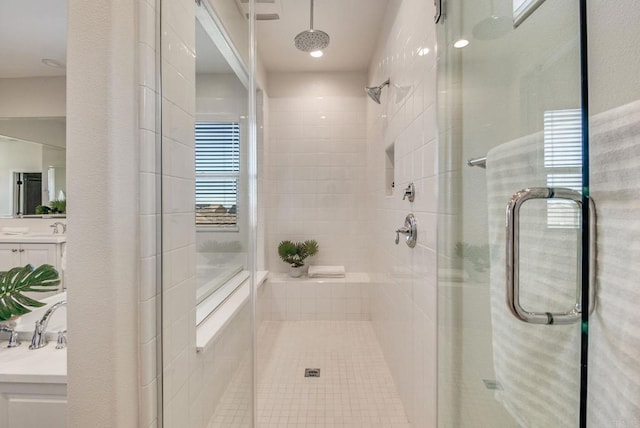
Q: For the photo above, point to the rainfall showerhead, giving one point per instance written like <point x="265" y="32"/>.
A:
<point x="492" y="27"/>
<point x="374" y="91"/>
<point x="312" y="40"/>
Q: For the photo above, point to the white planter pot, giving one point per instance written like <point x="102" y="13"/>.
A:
<point x="296" y="272"/>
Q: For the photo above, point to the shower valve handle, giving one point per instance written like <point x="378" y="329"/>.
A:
<point x="405" y="231"/>
<point x="410" y="231"/>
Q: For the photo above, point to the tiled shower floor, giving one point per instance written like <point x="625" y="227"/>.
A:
<point x="355" y="388"/>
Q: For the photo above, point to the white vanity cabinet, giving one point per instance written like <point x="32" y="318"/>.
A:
<point x="20" y="254"/>
<point x="20" y="250"/>
<point x="33" y="387"/>
<point x="25" y="405"/>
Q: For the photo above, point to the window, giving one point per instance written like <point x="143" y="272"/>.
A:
<point x="217" y="173"/>
<point x="563" y="157"/>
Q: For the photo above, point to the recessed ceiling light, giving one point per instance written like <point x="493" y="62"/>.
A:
<point x="53" y="63"/>
<point x="461" y="43"/>
<point x="316" y="54"/>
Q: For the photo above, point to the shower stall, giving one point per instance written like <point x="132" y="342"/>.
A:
<point x="500" y="151"/>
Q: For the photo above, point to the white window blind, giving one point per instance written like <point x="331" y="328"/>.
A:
<point x="563" y="158"/>
<point x="217" y="173"/>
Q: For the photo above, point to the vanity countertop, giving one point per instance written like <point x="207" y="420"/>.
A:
<point x="34" y="238"/>
<point x="22" y="365"/>
<point x="44" y="365"/>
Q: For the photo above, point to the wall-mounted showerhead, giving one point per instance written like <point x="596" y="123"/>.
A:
<point x="311" y="40"/>
<point x="374" y="91"/>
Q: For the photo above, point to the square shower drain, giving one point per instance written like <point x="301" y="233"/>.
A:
<point x="311" y="372"/>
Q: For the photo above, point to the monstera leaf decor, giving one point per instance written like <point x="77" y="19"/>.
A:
<point x="19" y="280"/>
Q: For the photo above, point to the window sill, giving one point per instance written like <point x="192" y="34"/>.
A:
<point x="209" y="329"/>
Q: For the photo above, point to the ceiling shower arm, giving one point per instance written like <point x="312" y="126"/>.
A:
<point x="311" y="17"/>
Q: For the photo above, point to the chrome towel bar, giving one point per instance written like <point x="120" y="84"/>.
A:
<point x="479" y="162"/>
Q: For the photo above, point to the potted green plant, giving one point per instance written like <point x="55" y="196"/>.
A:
<point x="295" y="253"/>
<point x="19" y="280"/>
<point x="57" y="207"/>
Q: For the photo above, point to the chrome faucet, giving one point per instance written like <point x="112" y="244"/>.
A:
<point x="55" y="227"/>
<point x="39" y="338"/>
<point x="13" y="338"/>
<point x="61" y="343"/>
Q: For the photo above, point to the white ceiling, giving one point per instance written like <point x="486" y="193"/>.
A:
<point x="352" y="25"/>
<point x="31" y="30"/>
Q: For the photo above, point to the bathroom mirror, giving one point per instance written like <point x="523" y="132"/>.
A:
<point x="32" y="104"/>
<point x="221" y="139"/>
<point x="32" y="165"/>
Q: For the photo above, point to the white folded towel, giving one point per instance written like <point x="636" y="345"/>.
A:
<point x="326" y="272"/>
<point x="15" y="230"/>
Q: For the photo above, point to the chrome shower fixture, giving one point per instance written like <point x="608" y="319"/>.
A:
<point x="312" y="40"/>
<point x="374" y="91"/>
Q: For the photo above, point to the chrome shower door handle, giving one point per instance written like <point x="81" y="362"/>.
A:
<point x="573" y="314"/>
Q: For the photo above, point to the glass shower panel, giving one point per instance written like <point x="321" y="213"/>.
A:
<point x="207" y="310"/>
<point x="509" y="119"/>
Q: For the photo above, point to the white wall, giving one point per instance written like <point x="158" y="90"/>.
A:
<point x="33" y="97"/>
<point x="315" y="168"/>
<point x="46" y="130"/>
<point x="403" y="306"/>
<point x="103" y="244"/>
<point x="16" y="156"/>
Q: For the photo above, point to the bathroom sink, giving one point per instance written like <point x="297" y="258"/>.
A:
<point x="35" y="237"/>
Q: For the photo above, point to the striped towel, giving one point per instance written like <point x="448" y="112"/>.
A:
<point x="614" y="331"/>
<point x="536" y="365"/>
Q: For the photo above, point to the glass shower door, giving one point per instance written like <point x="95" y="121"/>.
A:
<point x="510" y="120"/>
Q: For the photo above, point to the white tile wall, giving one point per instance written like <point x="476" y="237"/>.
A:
<point x="297" y="299"/>
<point x="315" y="177"/>
<point x="178" y="276"/>
<point x="194" y="383"/>
<point x="403" y="305"/>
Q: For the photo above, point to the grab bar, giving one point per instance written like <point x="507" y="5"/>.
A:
<point x="479" y="162"/>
